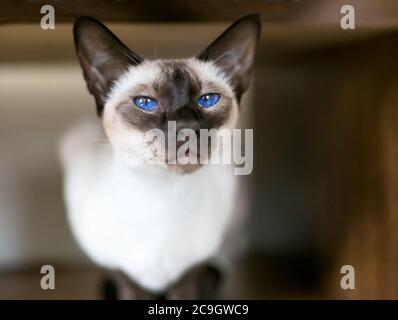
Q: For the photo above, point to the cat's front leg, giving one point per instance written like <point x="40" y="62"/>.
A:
<point x="117" y="286"/>
<point x="200" y="282"/>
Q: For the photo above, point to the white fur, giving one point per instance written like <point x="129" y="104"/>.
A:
<point x="148" y="222"/>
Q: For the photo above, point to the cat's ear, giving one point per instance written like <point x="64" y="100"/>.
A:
<point x="234" y="51"/>
<point x="102" y="55"/>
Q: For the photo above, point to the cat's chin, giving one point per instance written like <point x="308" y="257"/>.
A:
<point x="159" y="165"/>
<point x="183" y="168"/>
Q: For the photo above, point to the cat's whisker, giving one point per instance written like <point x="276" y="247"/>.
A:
<point x="128" y="56"/>
<point x="131" y="55"/>
<point x="222" y="55"/>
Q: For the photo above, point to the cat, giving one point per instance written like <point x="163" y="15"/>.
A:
<point x="154" y="223"/>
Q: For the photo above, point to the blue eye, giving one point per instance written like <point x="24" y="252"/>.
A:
<point x="145" y="103"/>
<point x="208" y="100"/>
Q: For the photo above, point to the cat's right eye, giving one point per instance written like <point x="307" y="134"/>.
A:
<point x="208" y="100"/>
<point x="145" y="103"/>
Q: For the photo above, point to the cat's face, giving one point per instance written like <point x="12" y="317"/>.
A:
<point x="135" y="95"/>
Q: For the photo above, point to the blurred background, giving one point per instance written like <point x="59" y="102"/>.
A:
<point x="323" y="106"/>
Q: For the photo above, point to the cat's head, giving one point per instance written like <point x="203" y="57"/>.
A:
<point x="134" y="95"/>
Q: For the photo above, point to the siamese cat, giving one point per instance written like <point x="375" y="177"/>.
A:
<point x="157" y="225"/>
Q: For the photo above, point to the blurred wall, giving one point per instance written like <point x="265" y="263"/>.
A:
<point x="38" y="102"/>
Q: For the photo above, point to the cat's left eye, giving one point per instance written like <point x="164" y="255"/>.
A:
<point x="208" y="100"/>
<point x="145" y="103"/>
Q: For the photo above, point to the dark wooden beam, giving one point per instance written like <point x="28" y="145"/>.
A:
<point x="303" y="12"/>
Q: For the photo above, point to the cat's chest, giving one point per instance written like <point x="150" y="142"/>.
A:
<point x="154" y="229"/>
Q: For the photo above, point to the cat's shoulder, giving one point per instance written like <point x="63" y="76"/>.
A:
<point x="85" y="139"/>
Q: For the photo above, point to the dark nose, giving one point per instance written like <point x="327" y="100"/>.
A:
<point x="188" y="124"/>
<point x="185" y="118"/>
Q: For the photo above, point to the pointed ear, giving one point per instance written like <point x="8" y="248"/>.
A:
<point x="234" y="51"/>
<point x="102" y="55"/>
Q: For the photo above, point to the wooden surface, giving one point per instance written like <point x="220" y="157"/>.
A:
<point x="370" y="239"/>
<point x="252" y="278"/>
<point x="302" y="12"/>
<point x="327" y="160"/>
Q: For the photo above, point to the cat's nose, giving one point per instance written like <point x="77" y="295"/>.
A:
<point x="188" y="124"/>
<point x="185" y="135"/>
<point x="185" y="118"/>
